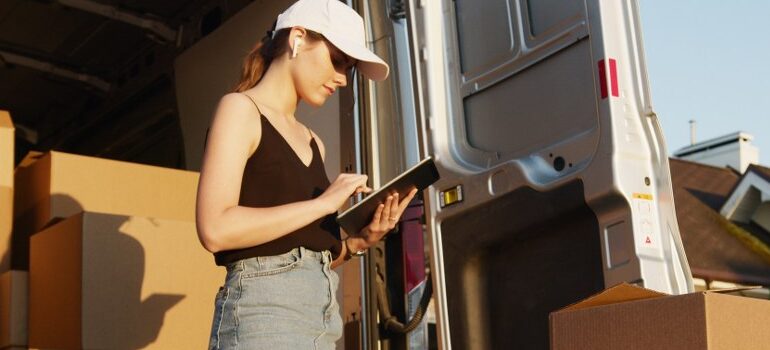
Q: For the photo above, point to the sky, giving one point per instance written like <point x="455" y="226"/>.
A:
<point x="709" y="60"/>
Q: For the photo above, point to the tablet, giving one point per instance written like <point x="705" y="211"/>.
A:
<point x="422" y="175"/>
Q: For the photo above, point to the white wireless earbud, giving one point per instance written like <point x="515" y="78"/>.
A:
<point x="297" y="43"/>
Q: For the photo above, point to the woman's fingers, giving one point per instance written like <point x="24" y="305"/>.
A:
<point x="358" y="184"/>
<point x="378" y="213"/>
<point x="361" y="185"/>
<point x="356" y="180"/>
<point x="360" y="180"/>
<point x="397" y="207"/>
<point x="394" y="212"/>
<point x="362" y="189"/>
<point x="342" y="188"/>
<point x="386" y="214"/>
<point x="405" y="202"/>
<point x="394" y="203"/>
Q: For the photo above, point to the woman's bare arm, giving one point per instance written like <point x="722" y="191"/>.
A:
<point x="221" y="223"/>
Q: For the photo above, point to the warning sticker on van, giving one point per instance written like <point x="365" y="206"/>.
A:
<point x="646" y="196"/>
<point x="645" y="217"/>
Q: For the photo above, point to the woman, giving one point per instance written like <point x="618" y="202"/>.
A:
<point x="265" y="206"/>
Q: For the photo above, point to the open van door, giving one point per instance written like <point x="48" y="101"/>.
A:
<point x="554" y="173"/>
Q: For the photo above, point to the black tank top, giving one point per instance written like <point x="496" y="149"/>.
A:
<point x="275" y="175"/>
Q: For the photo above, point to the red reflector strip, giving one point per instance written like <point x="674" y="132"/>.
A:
<point x="613" y="84"/>
<point x="414" y="254"/>
<point x="602" y="79"/>
<point x="614" y="78"/>
<point x="413" y="246"/>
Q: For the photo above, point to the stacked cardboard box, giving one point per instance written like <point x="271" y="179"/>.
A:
<point x="104" y="281"/>
<point x="13" y="284"/>
<point x="58" y="185"/>
<point x="630" y="317"/>
<point x="6" y="186"/>
<point x="112" y="254"/>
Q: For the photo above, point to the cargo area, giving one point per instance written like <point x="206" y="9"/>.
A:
<point x="506" y="273"/>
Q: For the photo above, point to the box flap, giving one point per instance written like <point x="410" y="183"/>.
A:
<point x="616" y="294"/>
<point x="29" y="159"/>
<point x="731" y="290"/>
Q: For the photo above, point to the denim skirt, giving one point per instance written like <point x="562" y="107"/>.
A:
<point x="285" y="301"/>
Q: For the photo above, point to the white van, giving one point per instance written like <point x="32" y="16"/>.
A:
<point x="554" y="173"/>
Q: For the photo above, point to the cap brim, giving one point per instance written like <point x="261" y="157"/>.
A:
<point x="369" y="64"/>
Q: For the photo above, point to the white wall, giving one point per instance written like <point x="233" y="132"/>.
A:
<point x="749" y="155"/>
<point x="736" y="155"/>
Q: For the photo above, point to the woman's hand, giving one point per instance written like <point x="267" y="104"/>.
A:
<point x="341" y="189"/>
<point x="385" y="218"/>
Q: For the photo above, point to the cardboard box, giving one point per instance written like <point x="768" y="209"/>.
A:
<point x="13" y="284"/>
<point x="7" y="140"/>
<point x="6" y="226"/>
<point x="13" y="309"/>
<point x="630" y="317"/>
<point x="60" y="185"/>
<point x="102" y="281"/>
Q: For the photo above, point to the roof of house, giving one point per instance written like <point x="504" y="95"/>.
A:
<point x="755" y="178"/>
<point x="713" y="244"/>
<point x="763" y="172"/>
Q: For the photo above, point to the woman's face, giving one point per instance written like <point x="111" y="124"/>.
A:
<point x="319" y="70"/>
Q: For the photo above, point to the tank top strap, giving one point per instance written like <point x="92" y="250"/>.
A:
<point x="252" y="101"/>
<point x="309" y="132"/>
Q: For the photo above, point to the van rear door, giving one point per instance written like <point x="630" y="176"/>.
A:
<point x="555" y="179"/>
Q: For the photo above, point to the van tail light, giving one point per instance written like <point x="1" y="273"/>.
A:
<point x="413" y="246"/>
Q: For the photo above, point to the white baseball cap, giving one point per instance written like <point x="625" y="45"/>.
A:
<point x="339" y="24"/>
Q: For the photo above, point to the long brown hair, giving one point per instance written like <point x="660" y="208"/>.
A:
<point x="255" y="64"/>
